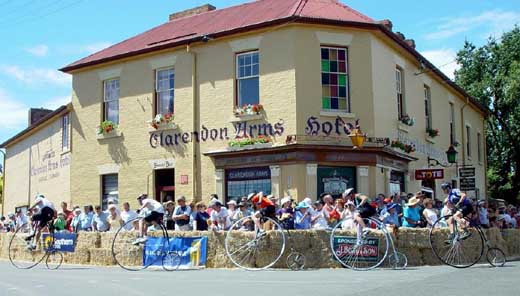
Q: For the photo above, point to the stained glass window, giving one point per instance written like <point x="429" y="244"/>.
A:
<point x="334" y="79"/>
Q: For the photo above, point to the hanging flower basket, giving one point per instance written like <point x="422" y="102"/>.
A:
<point x="402" y="146"/>
<point x="432" y="133"/>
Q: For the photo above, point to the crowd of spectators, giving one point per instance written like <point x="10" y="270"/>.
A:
<point x="398" y="210"/>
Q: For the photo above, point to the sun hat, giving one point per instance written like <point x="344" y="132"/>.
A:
<point x="181" y="198"/>
<point x="413" y="201"/>
<point x="285" y="200"/>
<point x="308" y="201"/>
<point x="111" y="207"/>
<point x="348" y="191"/>
<point x="302" y="205"/>
<point x="214" y="202"/>
<point x="232" y="202"/>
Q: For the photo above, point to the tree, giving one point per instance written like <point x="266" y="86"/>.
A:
<point x="491" y="74"/>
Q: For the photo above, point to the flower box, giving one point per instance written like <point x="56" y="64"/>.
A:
<point x="162" y="122"/>
<point x="250" y="143"/>
<point x="407" y="120"/>
<point x="163" y="127"/>
<point x="246" y="117"/>
<point x="250" y="109"/>
<point x="402" y="146"/>
<point x="248" y="147"/>
<point x="107" y="129"/>
<point x="432" y="133"/>
<point x="108" y="135"/>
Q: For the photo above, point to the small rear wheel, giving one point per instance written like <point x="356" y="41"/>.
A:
<point x="398" y="260"/>
<point x="54" y="260"/>
<point x="171" y="261"/>
<point x="295" y="261"/>
<point x="496" y="257"/>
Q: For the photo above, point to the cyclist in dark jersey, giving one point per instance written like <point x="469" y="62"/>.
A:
<point x="364" y="210"/>
<point x="462" y="206"/>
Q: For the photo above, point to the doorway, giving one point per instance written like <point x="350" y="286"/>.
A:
<point x="164" y="185"/>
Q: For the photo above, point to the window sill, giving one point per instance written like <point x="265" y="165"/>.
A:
<point x="403" y="127"/>
<point x="163" y="127"/>
<point x="430" y="139"/>
<point x="246" y="117"/>
<point x="65" y="152"/>
<point x="112" y="134"/>
<point x="333" y="113"/>
<point x="249" y="147"/>
<point x="480" y="163"/>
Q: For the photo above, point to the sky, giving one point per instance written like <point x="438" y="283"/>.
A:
<point x="38" y="37"/>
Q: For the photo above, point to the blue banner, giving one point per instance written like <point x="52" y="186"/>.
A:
<point x="63" y="241"/>
<point x="192" y="251"/>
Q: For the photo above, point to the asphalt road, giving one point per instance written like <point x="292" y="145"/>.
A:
<point x="101" y="281"/>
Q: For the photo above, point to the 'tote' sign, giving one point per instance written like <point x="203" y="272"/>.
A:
<point x="429" y="174"/>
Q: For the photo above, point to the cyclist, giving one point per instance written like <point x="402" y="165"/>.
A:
<point x="462" y="207"/>
<point x="264" y="207"/>
<point x="44" y="213"/>
<point x="153" y="215"/>
<point x="364" y="210"/>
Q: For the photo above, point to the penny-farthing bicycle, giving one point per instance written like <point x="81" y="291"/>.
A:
<point x="256" y="249"/>
<point x="130" y="256"/>
<point x="23" y="258"/>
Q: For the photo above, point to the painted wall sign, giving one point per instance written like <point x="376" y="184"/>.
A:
<point x="158" y="164"/>
<point x="248" y="174"/>
<point x="422" y="148"/>
<point x="429" y="174"/>
<point x="468" y="172"/>
<point x="241" y="130"/>
<point x="48" y="165"/>
<point x="316" y="127"/>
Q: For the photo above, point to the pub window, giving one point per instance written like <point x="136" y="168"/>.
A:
<point x="110" y="191"/>
<point x="427" y="107"/>
<point x="334" y="79"/>
<point x="452" y="124"/>
<point x="164" y="91"/>
<point x="479" y="146"/>
<point x="241" y="182"/>
<point x="468" y="140"/>
<point x="111" y="100"/>
<point x="65" y="132"/>
<point x="399" y="88"/>
<point x="247" y="78"/>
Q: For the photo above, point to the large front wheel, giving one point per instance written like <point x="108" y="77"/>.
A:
<point x="251" y="248"/>
<point x="20" y="256"/>
<point x="460" y="246"/>
<point x="358" y="248"/>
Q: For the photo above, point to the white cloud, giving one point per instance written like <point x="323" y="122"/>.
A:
<point x="36" y="76"/>
<point x="56" y="102"/>
<point x="444" y="59"/>
<point x="493" y="22"/>
<point x="95" y="47"/>
<point x="40" y="50"/>
<point x="13" y="114"/>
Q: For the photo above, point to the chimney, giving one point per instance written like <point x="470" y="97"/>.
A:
<point x="35" y="114"/>
<point x="400" y="35"/>
<point x="387" y="24"/>
<point x="192" y="11"/>
<point x="410" y="43"/>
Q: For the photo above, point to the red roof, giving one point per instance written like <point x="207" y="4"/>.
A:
<point x="222" y="21"/>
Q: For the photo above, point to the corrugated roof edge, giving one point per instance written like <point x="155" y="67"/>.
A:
<point x="36" y="125"/>
<point x="295" y="19"/>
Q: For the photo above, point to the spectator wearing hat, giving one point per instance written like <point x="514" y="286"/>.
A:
<point x="242" y="211"/>
<point x="389" y="215"/>
<point x="22" y="221"/>
<point x="349" y="194"/>
<point x="302" y="216"/>
<point x="2" y="224"/>
<point x="201" y="217"/>
<point x="114" y="219"/>
<point x="411" y="216"/>
<point x="169" y="208"/>
<point x="219" y="216"/>
<point x="181" y="215"/>
<point x="127" y="215"/>
<point x="232" y="209"/>
<point x="100" y="220"/>
<point x="320" y="217"/>
<point x="429" y="213"/>
<point x="60" y="222"/>
<point x="286" y="213"/>
<point x="75" y="223"/>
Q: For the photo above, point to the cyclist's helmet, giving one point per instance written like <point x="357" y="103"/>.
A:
<point x="446" y="186"/>
<point x="250" y="196"/>
<point x="142" y="196"/>
<point x="39" y="196"/>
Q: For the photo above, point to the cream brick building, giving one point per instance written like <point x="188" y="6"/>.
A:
<point x="38" y="162"/>
<point x="309" y="65"/>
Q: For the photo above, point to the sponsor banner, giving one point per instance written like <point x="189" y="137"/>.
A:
<point x="63" y="241"/>
<point x="344" y="248"/>
<point x="192" y="251"/>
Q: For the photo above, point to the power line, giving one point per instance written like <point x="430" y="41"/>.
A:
<point x="32" y="18"/>
<point x="30" y="10"/>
